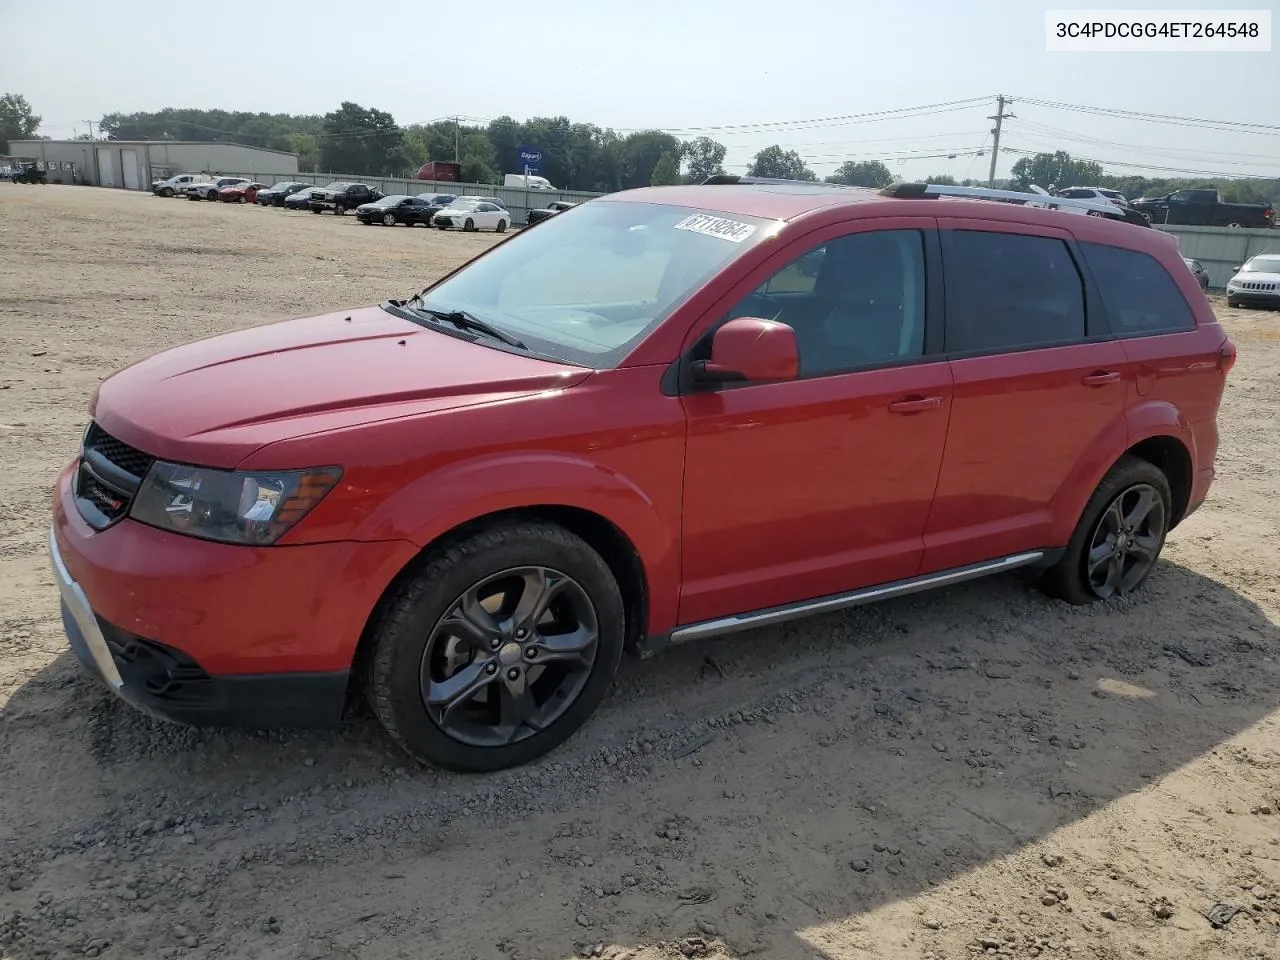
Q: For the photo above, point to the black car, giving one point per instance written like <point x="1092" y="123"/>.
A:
<point x="550" y="210"/>
<point x="279" y="193"/>
<point x="1197" y="268"/>
<point x="398" y="208"/>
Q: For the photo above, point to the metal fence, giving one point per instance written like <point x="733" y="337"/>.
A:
<point x="517" y="199"/>
<point x="1221" y="249"/>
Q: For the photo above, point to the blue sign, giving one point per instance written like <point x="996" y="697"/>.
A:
<point x="529" y="158"/>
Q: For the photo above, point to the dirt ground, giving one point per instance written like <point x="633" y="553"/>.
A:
<point x="975" y="772"/>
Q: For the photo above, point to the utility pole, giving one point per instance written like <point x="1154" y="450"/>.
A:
<point x="90" y="123"/>
<point x="999" y="118"/>
<point x="457" y="139"/>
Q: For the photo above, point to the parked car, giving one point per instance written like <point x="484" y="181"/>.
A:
<point x="1256" y="283"/>
<point x="210" y="190"/>
<point x="276" y="195"/>
<point x="241" y="192"/>
<point x="496" y="201"/>
<point x="171" y="186"/>
<point x="1197" y="268"/>
<point x="473" y="213"/>
<point x="550" y="210"/>
<point x="589" y="438"/>
<point x="301" y="199"/>
<point x="1204" y="207"/>
<point x="342" y="196"/>
<point x="397" y="208"/>
<point x="1094" y="193"/>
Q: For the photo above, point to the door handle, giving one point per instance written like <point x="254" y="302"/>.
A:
<point x="915" y="404"/>
<point x="1101" y="378"/>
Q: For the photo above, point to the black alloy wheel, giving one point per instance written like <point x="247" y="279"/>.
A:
<point x="1126" y="541"/>
<point x="496" y="648"/>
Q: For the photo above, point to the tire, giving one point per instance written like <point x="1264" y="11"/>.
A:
<point x="315" y="209"/>
<point x="166" y="191"/>
<point x="469" y="225"/>
<point x="410" y="630"/>
<point x="213" y="195"/>
<point x="1233" y="302"/>
<point x="339" y="210"/>
<point x="388" y="219"/>
<point x="1130" y="483"/>
<point x="502" y="226"/>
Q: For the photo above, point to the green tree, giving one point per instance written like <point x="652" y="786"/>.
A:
<point x="783" y="164"/>
<point x="665" y="172"/>
<point x="361" y="140"/>
<point x="17" y="121"/>
<point x="862" y="173"/>
<point x="640" y="153"/>
<point x="704" y="158"/>
<point x="1056" y="168"/>
<point x="941" y="179"/>
<point x="307" y="147"/>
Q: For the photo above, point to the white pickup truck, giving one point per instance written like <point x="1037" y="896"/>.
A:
<point x="172" y="186"/>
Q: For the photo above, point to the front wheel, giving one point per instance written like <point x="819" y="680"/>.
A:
<point x="1232" y="302"/>
<point x="315" y="209"/>
<point x="469" y="225"/>
<point x="166" y="191"/>
<point x="497" y="649"/>
<point x="339" y="210"/>
<point x="388" y="219"/>
<point x="1118" y="540"/>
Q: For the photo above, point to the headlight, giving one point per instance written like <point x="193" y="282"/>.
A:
<point x="227" y="506"/>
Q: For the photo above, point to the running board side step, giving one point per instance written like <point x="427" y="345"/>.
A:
<point x="842" y="601"/>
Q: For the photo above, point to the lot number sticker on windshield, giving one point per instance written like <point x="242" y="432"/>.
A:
<point x="730" y="230"/>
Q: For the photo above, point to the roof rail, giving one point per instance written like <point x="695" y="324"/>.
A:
<point x="1103" y="208"/>
<point x="728" y="179"/>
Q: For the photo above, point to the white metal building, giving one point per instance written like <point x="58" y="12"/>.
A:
<point x="133" y="164"/>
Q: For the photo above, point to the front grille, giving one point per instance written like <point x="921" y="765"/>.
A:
<point x="109" y="476"/>
<point x="128" y="459"/>
<point x="1256" y="285"/>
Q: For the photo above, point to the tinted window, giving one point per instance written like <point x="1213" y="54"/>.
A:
<point x="1008" y="291"/>
<point x="856" y="301"/>
<point x="1138" y="292"/>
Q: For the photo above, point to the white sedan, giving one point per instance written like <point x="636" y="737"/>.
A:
<point x="473" y="213"/>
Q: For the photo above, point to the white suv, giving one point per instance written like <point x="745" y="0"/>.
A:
<point x="176" y="184"/>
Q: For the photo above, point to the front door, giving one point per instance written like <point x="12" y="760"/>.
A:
<point x="1038" y="380"/>
<point x="806" y="488"/>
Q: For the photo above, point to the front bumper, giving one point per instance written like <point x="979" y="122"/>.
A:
<point x="1262" y="297"/>
<point x="216" y="634"/>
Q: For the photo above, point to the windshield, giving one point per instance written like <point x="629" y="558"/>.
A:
<point x="338" y="185"/>
<point x="463" y="204"/>
<point x="585" y="286"/>
<point x="391" y="201"/>
<point x="1263" y="265"/>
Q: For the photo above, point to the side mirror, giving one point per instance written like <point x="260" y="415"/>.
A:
<point x="1236" y="268"/>
<point x="750" y="349"/>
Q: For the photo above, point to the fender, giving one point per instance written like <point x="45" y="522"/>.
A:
<point x="443" y="500"/>
<point x="1152" y="418"/>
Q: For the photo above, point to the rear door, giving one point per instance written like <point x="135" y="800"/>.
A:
<point x="1037" y="379"/>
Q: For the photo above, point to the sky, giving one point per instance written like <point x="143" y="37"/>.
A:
<point x="749" y="73"/>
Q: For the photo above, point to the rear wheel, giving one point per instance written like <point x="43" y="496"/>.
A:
<point x="1118" y="540"/>
<point x="502" y="226"/>
<point x="497" y="649"/>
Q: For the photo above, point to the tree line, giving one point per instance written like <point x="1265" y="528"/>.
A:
<point x="354" y="139"/>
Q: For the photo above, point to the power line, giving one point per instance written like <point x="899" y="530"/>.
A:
<point x="1233" y="126"/>
<point x="1053" y="142"/>
<point x="1057" y="132"/>
<point x="783" y="125"/>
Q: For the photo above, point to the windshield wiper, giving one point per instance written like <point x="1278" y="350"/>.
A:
<point x="466" y="321"/>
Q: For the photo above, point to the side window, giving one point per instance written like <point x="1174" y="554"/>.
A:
<point x="856" y="301"/>
<point x="1009" y="291"/>
<point x="1137" y="291"/>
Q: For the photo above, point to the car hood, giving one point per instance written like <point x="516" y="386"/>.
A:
<point x="1254" y="276"/>
<point x="216" y="401"/>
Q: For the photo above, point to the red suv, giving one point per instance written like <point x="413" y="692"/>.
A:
<point x="662" y="415"/>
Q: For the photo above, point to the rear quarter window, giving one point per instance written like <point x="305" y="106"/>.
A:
<point x="1138" y="293"/>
